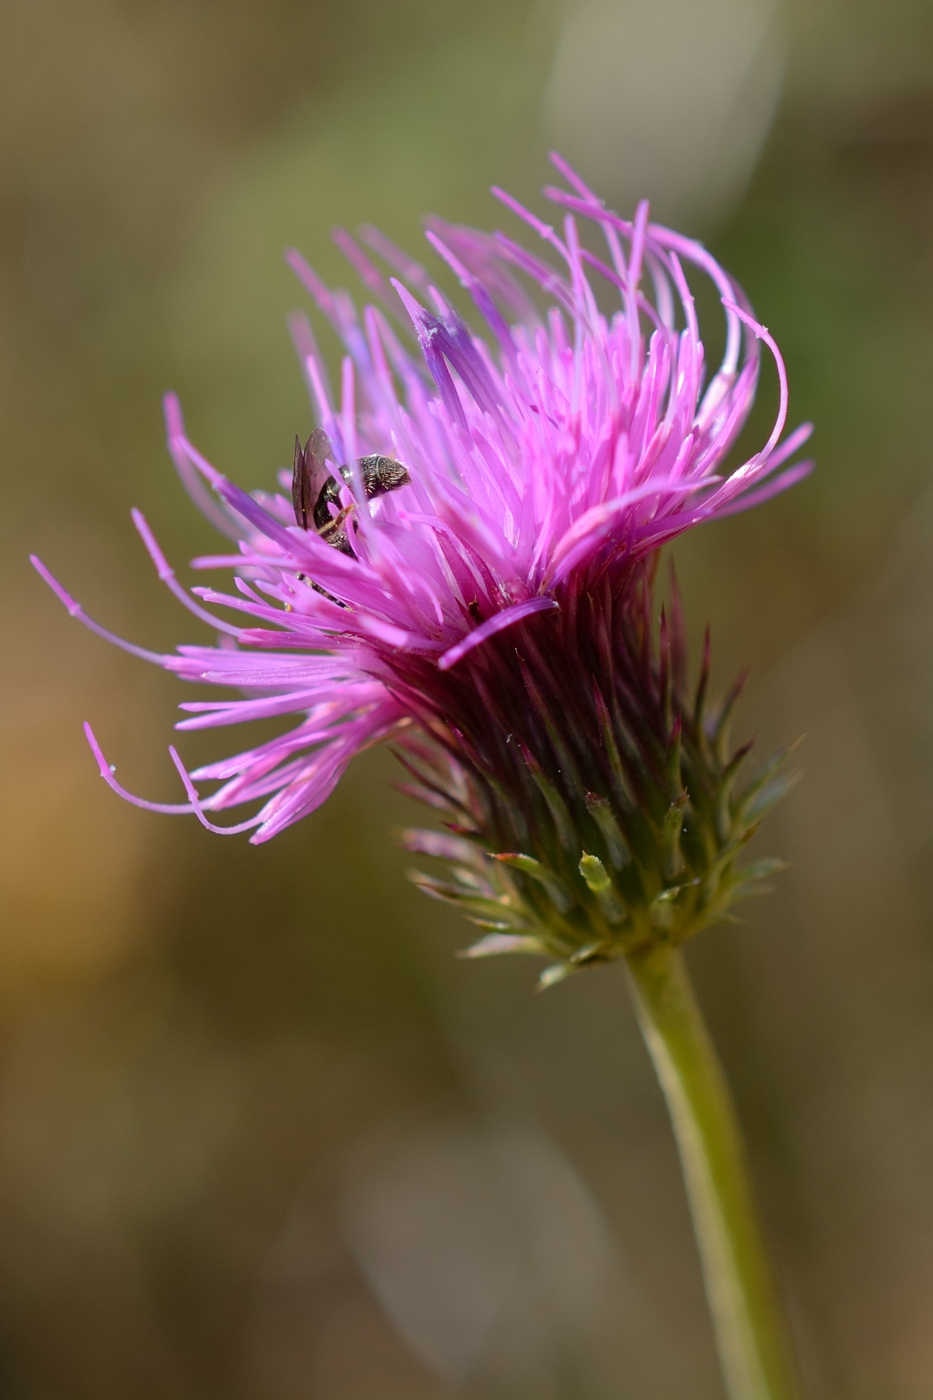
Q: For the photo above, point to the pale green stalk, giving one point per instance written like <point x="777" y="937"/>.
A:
<point x="753" y="1347"/>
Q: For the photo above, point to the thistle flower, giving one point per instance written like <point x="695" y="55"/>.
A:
<point x="462" y="563"/>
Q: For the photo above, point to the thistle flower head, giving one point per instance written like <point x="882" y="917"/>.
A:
<point x="461" y="561"/>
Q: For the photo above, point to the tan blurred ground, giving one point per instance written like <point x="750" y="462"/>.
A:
<point x="222" y="1069"/>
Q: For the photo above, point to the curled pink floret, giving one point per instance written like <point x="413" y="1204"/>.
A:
<point x="561" y="449"/>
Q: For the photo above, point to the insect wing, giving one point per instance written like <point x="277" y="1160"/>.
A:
<point x="309" y="474"/>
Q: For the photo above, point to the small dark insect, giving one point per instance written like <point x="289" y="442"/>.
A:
<point x="315" y="490"/>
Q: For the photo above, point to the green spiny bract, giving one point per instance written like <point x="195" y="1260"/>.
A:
<point x="597" y="840"/>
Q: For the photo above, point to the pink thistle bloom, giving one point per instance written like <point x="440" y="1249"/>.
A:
<point x="488" y="608"/>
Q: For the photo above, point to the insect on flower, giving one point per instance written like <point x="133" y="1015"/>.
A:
<point x="494" y="620"/>
<point x="315" y="489"/>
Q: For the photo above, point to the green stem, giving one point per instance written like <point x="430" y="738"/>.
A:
<point x="749" y="1330"/>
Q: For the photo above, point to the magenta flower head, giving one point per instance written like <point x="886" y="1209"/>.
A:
<point x="461" y="562"/>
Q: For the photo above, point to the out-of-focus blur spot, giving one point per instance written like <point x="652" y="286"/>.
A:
<point x="666" y="100"/>
<point x="200" y="1042"/>
<point x="486" y="1250"/>
<point x="65" y="881"/>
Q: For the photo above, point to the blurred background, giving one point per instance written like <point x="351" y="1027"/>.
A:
<point x="261" y="1136"/>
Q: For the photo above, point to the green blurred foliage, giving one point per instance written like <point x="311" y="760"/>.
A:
<point x="197" y="1036"/>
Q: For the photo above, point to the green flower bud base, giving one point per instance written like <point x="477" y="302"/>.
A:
<point x="622" y="827"/>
